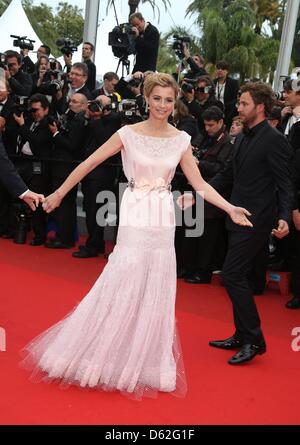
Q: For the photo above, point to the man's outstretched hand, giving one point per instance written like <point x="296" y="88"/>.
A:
<point x="33" y="199"/>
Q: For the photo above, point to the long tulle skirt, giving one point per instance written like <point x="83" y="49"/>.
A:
<point x="122" y="335"/>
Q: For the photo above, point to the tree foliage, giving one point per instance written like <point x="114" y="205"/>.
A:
<point x="134" y="4"/>
<point x="233" y="30"/>
<point x="51" y="24"/>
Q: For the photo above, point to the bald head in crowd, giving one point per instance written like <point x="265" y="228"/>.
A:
<point x="78" y="103"/>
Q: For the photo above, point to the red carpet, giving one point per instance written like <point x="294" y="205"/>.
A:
<point x="39" y="286"/>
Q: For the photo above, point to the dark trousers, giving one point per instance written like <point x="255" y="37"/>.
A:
<point x="207" y="252"/>
<point x="243" y="249"/>
<point x="65" y="215"/>
<point x="296" y="266"/>
<point x="90" y="189"/>
<point x="6" y="214"/>
<point x="39" y="184"/>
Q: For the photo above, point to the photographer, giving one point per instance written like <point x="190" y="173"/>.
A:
<point x="188" y="97"/>
<point x="19" y="82"/>
<point x="41" y="74"/>
<point x="76" y="84"/>
<point x="291" y="118"/>
<point x="102" y="124"/>
<point x="146" y="43"/>
<point x="68" y="138"/>
<point x="87" y="53"/>
<point x="205" y="95"/>
<point x="226" y="91"/>
<point x="207" y="252"/>
<point x="110" y="82"/>
<point x="34" y="149"/>
<point x="196" y="64"/>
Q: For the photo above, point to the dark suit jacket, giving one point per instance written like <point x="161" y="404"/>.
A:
<point x="8" y="174"/>
<point x="212" y="161"/>
<point x="68" y="146"/>
<point x="21" y="84"/>
<point x="147" y="50"/>
<point x="294" y="136"/>
<point x="91" y="82"/>
<point x="261" y="181"/>
<point x="296" y="178"/>
<point x="230" y="99"/>
<point x="40" y="139"/>
<point x="9" y="135"/>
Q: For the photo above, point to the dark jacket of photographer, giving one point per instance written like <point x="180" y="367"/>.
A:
<point x="68" y="145"/>
<point x="91" y="81"/>
<point x="296" y="180"/>
<point x="212" y="156"/>
<point x="98" y="132"/>
<point x="39" y="139"/>
<point x="21" y="84"/>
<point x="195" y="70"/>
<point x="147" y="45"/>
<point x="230" y="99"/>
<point x="9" y="135"/>
<point x="40" y="142"/>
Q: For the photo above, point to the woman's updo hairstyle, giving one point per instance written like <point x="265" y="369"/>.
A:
<point x="161" y="80"/>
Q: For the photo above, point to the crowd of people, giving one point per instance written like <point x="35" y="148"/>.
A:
<point x="52" y="118"/>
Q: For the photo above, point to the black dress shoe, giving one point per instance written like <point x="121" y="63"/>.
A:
<point x="198" y="279"/>
<point x="84" y="253"/>
<point x="56" y="244"/>
<point x="228" y="343"/>
<point x="294" y="303"/>
<point x="247" y="353"/>
<point x="37" y="242"/>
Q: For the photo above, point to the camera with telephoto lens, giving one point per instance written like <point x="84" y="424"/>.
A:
<point x="122" y="40"/>
<point x="66" y="46"/>
<point x="95" y="106"/>
<point x="178" y="45"/>
<point x="188" y="85"/>
<point x="135" y="82"/>
<point x="279" y="95"/>
<point x="129" y="111"/>
<point x="20" y="105"/>
<point x="23" y="42"/>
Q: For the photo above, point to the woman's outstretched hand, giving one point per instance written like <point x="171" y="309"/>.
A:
<point x="239" y="216"/>
<point x="51" y="202"/>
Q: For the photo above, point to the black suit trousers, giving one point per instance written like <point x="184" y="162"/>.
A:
<point x="244" y="247"/>
<point x="90" y="189"/>
<point x="65" y="215"/>
<point x="296" y="266"/>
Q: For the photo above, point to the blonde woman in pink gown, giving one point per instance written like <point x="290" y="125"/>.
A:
<point x="122" y="335"/>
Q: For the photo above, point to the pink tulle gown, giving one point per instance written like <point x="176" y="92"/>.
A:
<point x="122" y="335"/>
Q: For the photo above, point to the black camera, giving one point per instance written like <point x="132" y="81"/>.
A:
<point x="178" y="45"/>
<point x="188" y="85"/>
<point x="95" y="106"/>
<point x="23" y="42"/>
<point x="20" y="105"/>
<point x="134" y="83"/>
<point x="121" y="39"/>
<point x="130" y="112"/>
<point x="279" y="95"/>
<point x="66" y="46"/>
